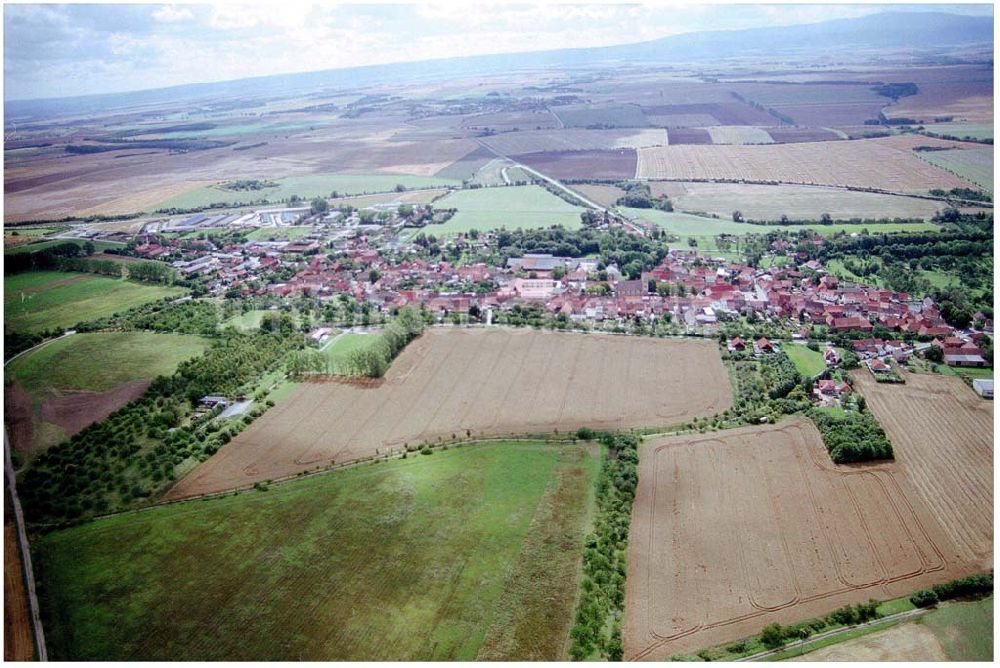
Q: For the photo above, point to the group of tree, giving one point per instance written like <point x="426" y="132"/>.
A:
<point x="775" y="635"/>
<point x="639" y="196"/>
<point x="374" y="360"/>
<point x="978" y="584"/>
<point x="597" y="631"/>
<point x="192" y="316"/>
<point x="852" y="436"/>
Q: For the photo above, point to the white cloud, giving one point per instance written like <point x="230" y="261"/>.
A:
<point x="172" y="14"/>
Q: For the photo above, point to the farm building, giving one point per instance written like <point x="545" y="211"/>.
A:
<point x="212" y="400"/>
<point x="320" y="335"/>
<point x="762" y="345"/>
<point x="877" y="366"/>
<point x="961" y="359"/>
<point x="983" y="387"/>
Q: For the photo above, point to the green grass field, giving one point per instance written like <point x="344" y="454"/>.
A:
<point x="337" y="352"/>
<point x="808" y="362"/>
<point x="686" y="224"/>
<point x="247" y="321"/>
<point x="965" y="630"/>
<point x="314" y="185"/>
<point x="526" y="207"/>
<point x="39" y="300"/>
<point x="974" y="130"/>
<point x="279" y="233"/>
<point x="974" y="165"/>
<point x="101" y="361"/>
<point x="468" y="552"/>
<point x="96" y="362"/>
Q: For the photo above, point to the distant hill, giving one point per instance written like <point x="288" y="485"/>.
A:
<point x="916" y="31"/>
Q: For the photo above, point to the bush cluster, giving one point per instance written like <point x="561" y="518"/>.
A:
<point x="970" y="585"/>
<point x="597" y="627"/>
<point x="194" y="316"/>
<point x="779" y="374"/>
<point x="852" y="437"/>
<point x="775" y="635"/>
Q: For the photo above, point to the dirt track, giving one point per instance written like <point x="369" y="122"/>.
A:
<point x="475" y="382"/>
<point x="906" y="642"/>
<point x="734" y="530"/>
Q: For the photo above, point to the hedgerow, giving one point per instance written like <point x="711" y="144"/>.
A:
<point x="597" y="629"/>
<point x="970" y="585"/>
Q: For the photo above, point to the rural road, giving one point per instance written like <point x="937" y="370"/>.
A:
<point x="899" y="616"/>
<point x="22" y="544"/>
<point x="43" y="343"/>
<point x="592" y="204"/>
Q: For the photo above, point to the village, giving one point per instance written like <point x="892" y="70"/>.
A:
<point x="374" y="257"/>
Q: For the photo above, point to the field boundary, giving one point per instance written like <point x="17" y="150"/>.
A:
<point x="392" y="454"/>
<point x="27" y="572"/>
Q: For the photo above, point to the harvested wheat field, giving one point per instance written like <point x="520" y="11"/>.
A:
<point x="942" y="433"/>
<point x="734" y="530"/>
<point x="885" y="163"/>
<point x="478" y="382"/>
<point x="18" y="641"/>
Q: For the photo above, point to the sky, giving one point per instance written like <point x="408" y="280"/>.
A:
<point x="80" y="49"/>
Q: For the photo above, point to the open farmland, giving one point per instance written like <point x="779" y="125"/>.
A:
<point x="408" y="197"/>
<point x="956" y="631"/>
<point x="18" y="640"/>
<point x="290" y="233"/>
<point x="686" y="224"/>
<point x="67" y="384"/>
<point x="40" y="300"/>
<point x="738" y="134"/>
<point x="474" y="382"/>
<point x="513" y="143"/>
<point x="942" y="433"/>
<point x="602" y="194"/>
<point x="512" y="207"/>
<point x="734" y="530"/>
<point x="317" y="185"/>
<point x="338" y="352"/>
<point x="974" y="165"/>
<point x="788" y="134"/>
<point x="973" y="130"/>
<point x="886" y="163"/>
<point x="770" y="202"/>
<point x="689" y="136"/>
<point x="509" y="120"/>
<point x="617" y="164"/>
<point x="469" y="553"/>
<point x="715" y="113"/>
<point x="611" y="115"/>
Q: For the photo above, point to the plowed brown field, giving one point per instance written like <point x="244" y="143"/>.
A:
<point x="487" y="381"/>
<point x="732" y="531"/>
